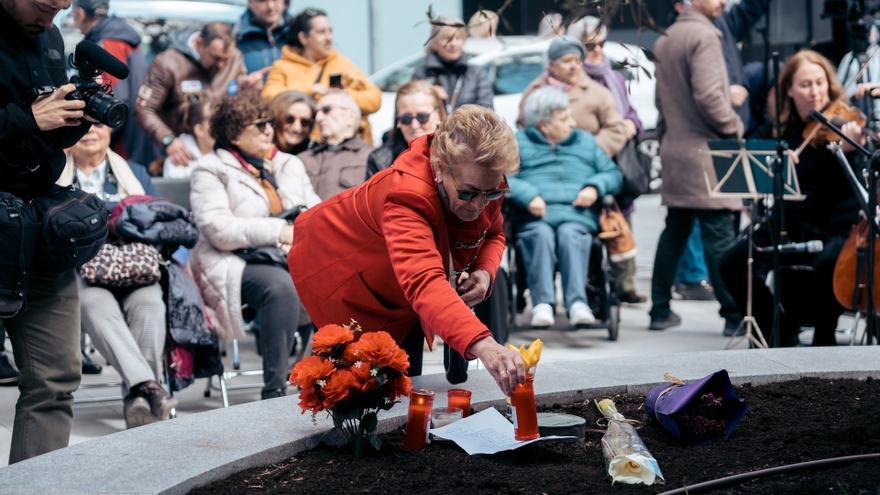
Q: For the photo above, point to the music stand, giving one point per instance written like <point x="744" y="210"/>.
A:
<point x="745" y="171"/>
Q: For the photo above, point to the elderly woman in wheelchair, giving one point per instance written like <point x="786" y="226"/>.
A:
<point x="562" y="174"/>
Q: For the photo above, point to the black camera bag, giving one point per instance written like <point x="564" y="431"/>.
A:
<point x="74" y="228"/>
<point x="19" y="232"/>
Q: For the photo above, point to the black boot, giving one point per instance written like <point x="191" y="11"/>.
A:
<point x="90" y="367"/>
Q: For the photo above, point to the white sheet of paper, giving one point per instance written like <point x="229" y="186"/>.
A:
<point x="486" y="432"/>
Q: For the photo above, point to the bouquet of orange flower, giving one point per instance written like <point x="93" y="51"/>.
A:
<point x="353" y="375"/>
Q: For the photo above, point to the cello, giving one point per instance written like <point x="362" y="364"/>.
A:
<point x="850" y="269"/>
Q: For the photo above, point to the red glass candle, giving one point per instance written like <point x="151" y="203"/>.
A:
<point x="420" y="403"/>
<point x="525" y="412"/>
<point x="460" y="398"/>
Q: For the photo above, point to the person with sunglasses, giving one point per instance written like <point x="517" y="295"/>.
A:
<point x="593" y="33"/>
<point x="458" y="83"/>
<point x="554" y="218"/>
<point x="414" y="248"/>
<point x="339" y="160"/>
<point x="239" y="195"/>
<point x="418" y="111"/>
<point x="293" y="113"/>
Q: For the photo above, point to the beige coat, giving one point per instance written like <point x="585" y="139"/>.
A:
<point x="693" y="96"/>
<point x="231" y="210"/>
<point x="592" y="107"/>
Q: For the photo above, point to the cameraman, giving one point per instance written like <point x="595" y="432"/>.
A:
<point x="36" y="124"/>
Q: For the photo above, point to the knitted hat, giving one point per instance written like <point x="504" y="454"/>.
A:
<point x="93" y="7"/>
<point x="565" y="45"/>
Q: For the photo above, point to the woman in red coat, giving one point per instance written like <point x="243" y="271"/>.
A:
<point x="381" y="252"/>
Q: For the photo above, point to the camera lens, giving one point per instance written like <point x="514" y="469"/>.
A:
<point x="107" y="110"/>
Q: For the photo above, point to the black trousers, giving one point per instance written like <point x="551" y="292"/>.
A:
<point x="807" y="297"/>
<point x="717" y="233"/>
<point x="269" y="289"/>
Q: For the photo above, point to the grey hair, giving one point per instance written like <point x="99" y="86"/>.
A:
<point x="586" y="27"/>
<point x="543" y="103"/>
<point x="347" y="102"/>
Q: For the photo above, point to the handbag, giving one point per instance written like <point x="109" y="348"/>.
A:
<point x="616" y="234"/>
<point x="20" y="231"/>
<point x="124" y="266"/>
<point x="74" y="228"/>
<point x="270" y="255"/>
<point x="636" y="168"/>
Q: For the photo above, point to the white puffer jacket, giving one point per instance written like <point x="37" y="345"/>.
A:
<point x="231" y="210"/>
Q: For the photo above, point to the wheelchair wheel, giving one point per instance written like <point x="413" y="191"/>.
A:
<point x="613" y="322"/>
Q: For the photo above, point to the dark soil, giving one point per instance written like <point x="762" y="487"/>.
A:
<point x="786" y="423"/>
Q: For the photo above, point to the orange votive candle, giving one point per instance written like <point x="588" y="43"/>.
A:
<point x="525" y="412"/>
<point x="460" y="398"/>
<point x="420" y="403"/>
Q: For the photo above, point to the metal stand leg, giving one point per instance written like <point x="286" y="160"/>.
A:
<point x="224" y="391"/>
<point x="753" y="332"/>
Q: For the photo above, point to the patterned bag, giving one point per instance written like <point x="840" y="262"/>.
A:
<point x="123" y="266"/>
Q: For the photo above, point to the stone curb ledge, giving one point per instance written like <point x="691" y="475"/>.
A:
<point x="173" y="457"/>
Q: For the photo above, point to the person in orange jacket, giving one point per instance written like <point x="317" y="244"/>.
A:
<point x="311" y="65"/>
<point x="418" y="245"/>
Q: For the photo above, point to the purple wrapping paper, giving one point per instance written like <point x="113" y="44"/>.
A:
<point x="663" y="403"/>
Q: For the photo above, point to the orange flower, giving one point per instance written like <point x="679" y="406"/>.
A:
<point x="311" y="369"/>
<point x="400" y="387"/>
<point x="305" y="375"/>
<point x="338" y="387"/>
<point x="308" y="399"/>
<point x="379" y="349"/>
<point x="362" y="372"/>
<point x="329" y="338"/>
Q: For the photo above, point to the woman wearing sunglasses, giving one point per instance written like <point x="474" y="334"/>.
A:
<point x="418" y="110"/>
<point x="563" y="172"/>
<point x="293" y="114"/>
<point x="411" y="250"/>
<point x="238" y="196"/>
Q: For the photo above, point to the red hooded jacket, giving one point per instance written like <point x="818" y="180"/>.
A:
<point x="379" y="253"/>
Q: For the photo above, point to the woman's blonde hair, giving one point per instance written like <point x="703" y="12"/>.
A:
<point x="420" y="86"/>
<point x="789" y="115"/>
<point x="475" y="134"/>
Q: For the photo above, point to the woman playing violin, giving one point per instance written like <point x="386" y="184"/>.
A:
<point x="807" y="83"/>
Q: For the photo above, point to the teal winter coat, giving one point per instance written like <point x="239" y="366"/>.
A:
<point x="558" y="173"/>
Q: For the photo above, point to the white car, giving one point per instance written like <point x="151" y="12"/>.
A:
<point x="513" y="62"/>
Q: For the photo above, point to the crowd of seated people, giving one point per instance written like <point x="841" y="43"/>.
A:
<point x="270" y="118"/>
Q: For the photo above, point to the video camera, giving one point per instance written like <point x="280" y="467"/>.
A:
<point x="90" y="60"/>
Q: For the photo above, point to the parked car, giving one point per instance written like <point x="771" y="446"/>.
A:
<point x="515" y="61"/>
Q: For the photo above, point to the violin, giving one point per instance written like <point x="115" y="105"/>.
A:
<point x="839" y="112"/>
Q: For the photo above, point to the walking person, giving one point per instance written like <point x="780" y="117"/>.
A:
<point x="693" y="92"/>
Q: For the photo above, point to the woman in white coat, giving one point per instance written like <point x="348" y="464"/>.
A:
<point x="238" y="194"/>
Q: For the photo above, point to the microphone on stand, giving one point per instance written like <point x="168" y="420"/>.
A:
<point x="793" y="247"/>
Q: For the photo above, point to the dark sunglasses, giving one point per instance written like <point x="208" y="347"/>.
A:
<point x="290" y="119"/>
<point x="262" y="124"/>
<point x="592" y="46"/>
<point x="407" y="118"/>
<point x="468" y="195"/>
<point x="325" y="109"/>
